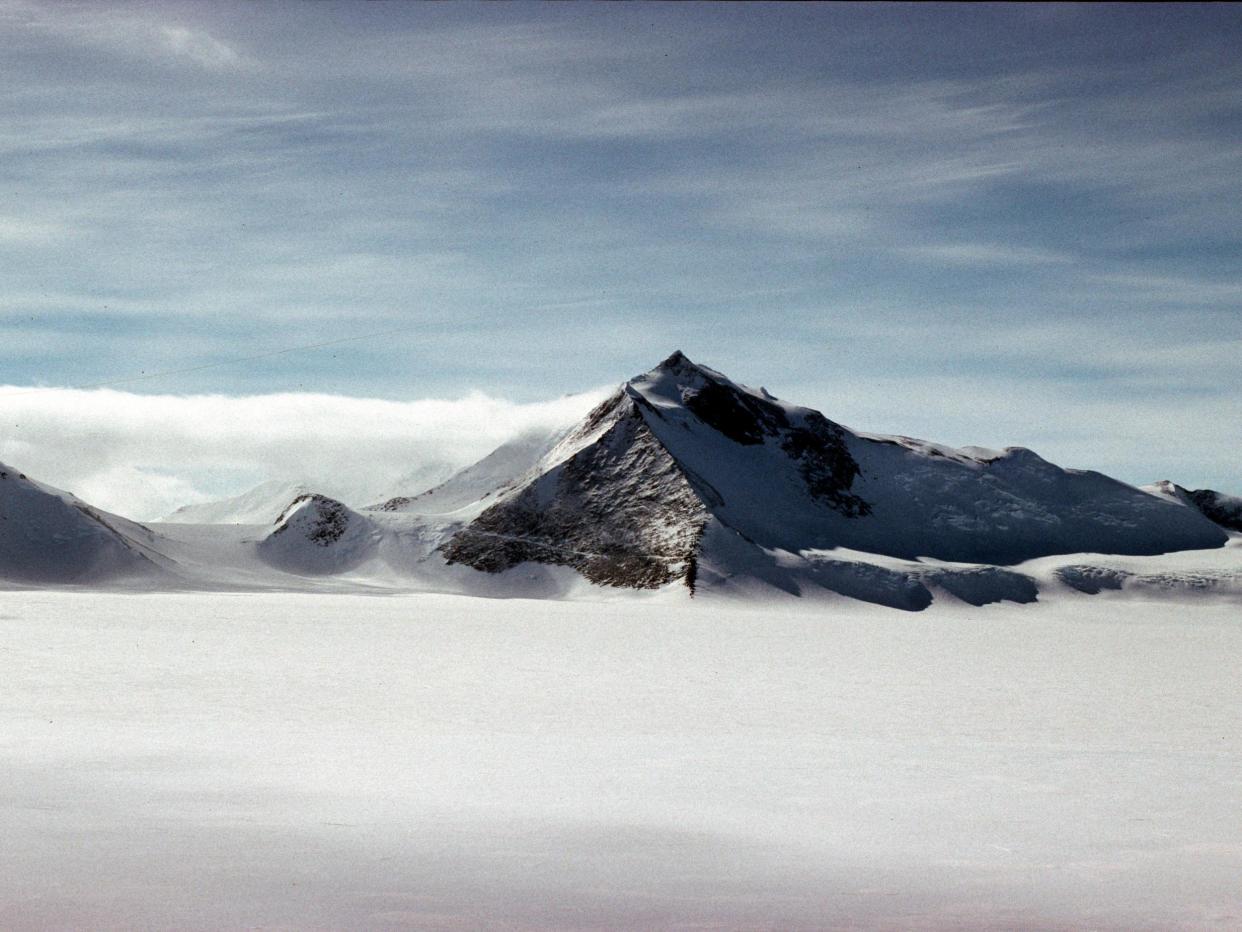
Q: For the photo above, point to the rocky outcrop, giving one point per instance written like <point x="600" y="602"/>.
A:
<point x="619" y="510"/>
<point x="316" y="535"/>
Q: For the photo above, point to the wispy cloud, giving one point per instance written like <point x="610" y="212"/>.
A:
<point x="988" y="254"/>
<point x="131" y="33"/>
<point x="548" y="196"/>
<point x="30" y="230"/>
<point x="1176" y="289"/>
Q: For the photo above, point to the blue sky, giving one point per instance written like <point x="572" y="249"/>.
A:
<point x="994" y="225"/>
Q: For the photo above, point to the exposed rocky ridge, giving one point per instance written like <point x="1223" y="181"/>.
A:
<point x="317" y="535"/>
<point x="618" y="509"/>
<point x="326" y="522"/>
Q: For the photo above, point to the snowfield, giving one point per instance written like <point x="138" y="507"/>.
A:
<point x="344" y="761"/>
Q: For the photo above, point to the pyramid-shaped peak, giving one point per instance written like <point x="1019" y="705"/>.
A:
<point x="678" y="362"/>
<point x="679" y="368"/>
<point x="676" y="358"/>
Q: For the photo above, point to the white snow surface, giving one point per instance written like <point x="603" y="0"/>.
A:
<point x="315" y="762"/>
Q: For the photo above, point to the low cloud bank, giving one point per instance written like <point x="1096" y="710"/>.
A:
<point x="143" y="456"/>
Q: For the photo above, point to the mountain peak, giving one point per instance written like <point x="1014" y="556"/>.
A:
<point x="679" y="364"/>
<point x="675" y="360"/>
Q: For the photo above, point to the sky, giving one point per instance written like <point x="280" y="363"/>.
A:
<point x="994" y="225"/>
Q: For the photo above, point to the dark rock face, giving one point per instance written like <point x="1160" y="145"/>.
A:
<point x="329" y="524"/>
<point x="826" y="464"/>
<point x="1222" y="509"/>
<point x="396" y="503"/>
<point x="620" y="511"/>
<point x="742" y="418"/>
<point x="818" y="445"/>
<point x="1092" y="579"/>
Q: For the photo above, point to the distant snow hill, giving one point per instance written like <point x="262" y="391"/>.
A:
<point x="261" y="505"/>
<point x="265" y="503"/>
<point x="686" y="482"/>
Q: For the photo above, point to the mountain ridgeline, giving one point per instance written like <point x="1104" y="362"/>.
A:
<point x="680" y="478"/>
<point x="683" y="470"/>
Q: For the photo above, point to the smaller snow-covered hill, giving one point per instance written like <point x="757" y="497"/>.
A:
<point x="50" y="536"/>
<point x="317" y="535"/>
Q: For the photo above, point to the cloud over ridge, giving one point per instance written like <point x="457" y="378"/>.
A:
<point x="143" y="455"/>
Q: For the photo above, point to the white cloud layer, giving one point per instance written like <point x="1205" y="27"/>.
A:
<point x="142" y="456"/>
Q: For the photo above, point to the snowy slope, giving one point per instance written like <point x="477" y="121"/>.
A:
<point x="50" y="536"/>
<point x="415" y="482"/>
<point x="261" y="505"/>
<point x="682" y="466"/>
<point x="480" y="481"/>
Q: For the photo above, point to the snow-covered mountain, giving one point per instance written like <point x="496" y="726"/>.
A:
<point x="682" y="469"/>
<point x="49" y="536"/>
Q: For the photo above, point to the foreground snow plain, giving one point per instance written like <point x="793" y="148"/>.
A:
<point x="346" y="761"/>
